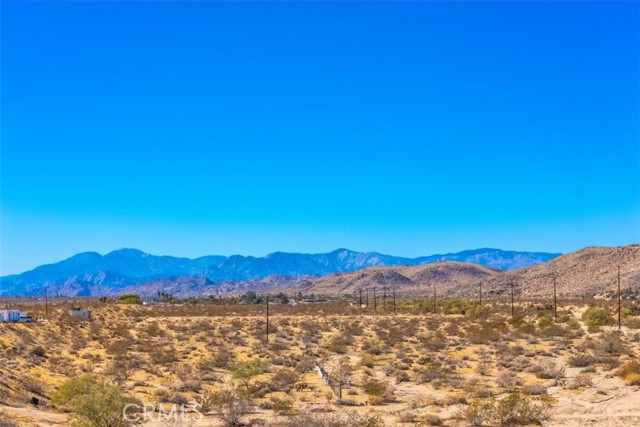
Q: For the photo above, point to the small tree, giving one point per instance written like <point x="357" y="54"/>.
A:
<point x="92" y="403"/>
<point x="244" y="371"/>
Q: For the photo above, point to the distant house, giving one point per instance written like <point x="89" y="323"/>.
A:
<point x="151" y="302"/>
<point x="9" y="316"/>
<point x="24" y="318"/>
<point x="79" y="312"/>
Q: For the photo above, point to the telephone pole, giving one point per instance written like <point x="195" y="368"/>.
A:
<point x="480" y="294"/>
<point x="619" y="302"/>
<point x="267" y="300"/>
<point x="513" y="313"/>
<point x="367" y="298"/>
<point x="394" y="297"/>
<point x="360" y="300"/>
<point x="555" y="299"/>
<point x="375" y="300"/>
<point x="435" y="300"/>
<point x="384" y="299"/>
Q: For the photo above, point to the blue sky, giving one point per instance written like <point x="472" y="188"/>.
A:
<point x="408" y="128"/>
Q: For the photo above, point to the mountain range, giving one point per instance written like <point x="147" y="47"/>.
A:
<point x="592" y="270"/>
<point x="92" y="274"/>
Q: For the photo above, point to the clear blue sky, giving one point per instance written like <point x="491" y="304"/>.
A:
<point x="407" y="128"/>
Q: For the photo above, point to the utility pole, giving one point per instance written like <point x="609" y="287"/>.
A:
<point x="435" y="300"/>
<point x="375" y="300"/>
<point x="360" y="290"/>
<point x="267" y="318"/>
<point x="555" y="299"/>
<point x="384" y="299"/>
<point x="513" y="313"/>
<point x="619" y="302"/>
<point x="46" y="302"/>
<point x="480" y="294"/>
<point x="394" y="297"/>
<point x="367" y="298"/>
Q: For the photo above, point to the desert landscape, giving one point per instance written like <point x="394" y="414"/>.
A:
<point x="335" y="361"/>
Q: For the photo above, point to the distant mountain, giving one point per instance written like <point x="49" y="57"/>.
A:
<point x="90" y="273"/>
<point x="495" y="258"/>
<point x="446" y="276"/>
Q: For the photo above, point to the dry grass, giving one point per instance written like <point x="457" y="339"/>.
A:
<point x="403" y="368"/>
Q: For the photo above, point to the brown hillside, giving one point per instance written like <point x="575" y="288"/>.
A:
<point x="417" y="280"/>
<point x="591" y="270"/>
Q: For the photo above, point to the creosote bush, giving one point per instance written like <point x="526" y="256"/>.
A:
<point x="513" y="410"/>
<point x="630" y="372"/>
<point x="595" y="317"/>
<point x="92" y="403"/>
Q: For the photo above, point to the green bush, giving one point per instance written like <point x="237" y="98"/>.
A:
<point x="595" y="317"/>
<point x="92" y="403"/>
<point x="130" y="299"/>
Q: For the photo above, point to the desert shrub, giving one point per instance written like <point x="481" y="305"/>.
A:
<point x="483" y="334"/>
<point x="372" y="347"/>
<point x="402" y="376"/>
<point x="284" y="380"/>
<point x="478" y="413"/>
<point x="632" y="322"/>
<point x="513" y="410"/>
<point x="545" y="321"/>
<point x="230" y="407"/>
<point x="581" y="380"/>
<point x="595" y="317"/>
<point x="332" y="420"/>
<point x="93" y="403"/>
<point x="305" y="364"/>
<point x="581" y="360"/>
<point x="432" y="420"/>
<point x="630" y="372"/>
<point x="611" y="343"/>
<point x="340" y="343"/>
<point x="478" y="312"/>
<point x="33" y="385"/>
<point x="435" y="342"/>
<point x="161" y="355"/>
<point x="548" y="369"/>
<point x="378" y="391"/>
<point x="431" y="372"/>
<point x="534" y="389"/>
<point x="367" y="361"/>
<point x="483" y="368"/>
<point x="282" y="406"/>
<point x="518" y="410"/>
<point x="508" y="380"/>
<point x="39" y="352"/>
<point x="221" y="359"/>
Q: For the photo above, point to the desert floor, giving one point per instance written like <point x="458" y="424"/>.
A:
<point x="410" y="367"/>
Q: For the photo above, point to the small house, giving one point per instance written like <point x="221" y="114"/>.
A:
<point x="9" y="316"/>
<point x="24" y="318"/>
<point x="79" y="312"/>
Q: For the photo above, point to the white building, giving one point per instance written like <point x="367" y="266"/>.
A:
<point x="24" y="317"/>
<point x="9" y="316"/>
<point x="78" y="312"/>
